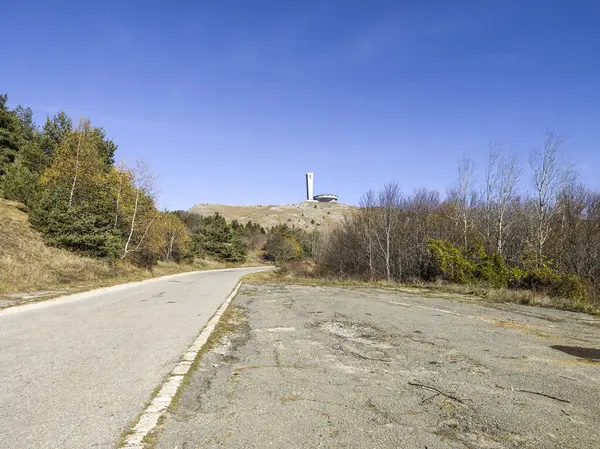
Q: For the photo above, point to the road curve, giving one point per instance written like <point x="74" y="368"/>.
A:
<point x="76" y="370"/>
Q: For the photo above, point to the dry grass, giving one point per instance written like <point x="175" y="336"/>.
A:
<point x="449" y="291"/>
<point x="28" y="265"/>
<point x="284" y="277"/>
<point x="303" y="215"/>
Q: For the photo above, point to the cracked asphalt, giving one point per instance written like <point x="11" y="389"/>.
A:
<point x="75" y="371"/>
<point x="328" y="367"/>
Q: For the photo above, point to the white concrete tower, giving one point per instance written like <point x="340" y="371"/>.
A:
<point x="309" y="187"/>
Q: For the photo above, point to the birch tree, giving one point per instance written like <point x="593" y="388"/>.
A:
<point x="365" y="221"/>
<point x="78" y="157"/>
<point x="174" y="236"/>
<point x="546" y="183"/>
<point x="143" y="212"/>
<point x="507" y="180"/>
<point x="491" y="184"/>
<point x="465" y="196"/>
<point x="501" y="180"/>
<point x="386" y="220"/>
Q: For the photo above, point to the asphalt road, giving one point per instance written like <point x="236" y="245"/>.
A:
<point x="309" y="367"/>
<point x="75" y="371"/>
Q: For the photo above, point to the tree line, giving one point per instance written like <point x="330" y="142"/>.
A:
<point x="77" y="196"/>
<point x="511" y="228"/>
<point x="535" y="230"/>
<point x="80" y="199"/>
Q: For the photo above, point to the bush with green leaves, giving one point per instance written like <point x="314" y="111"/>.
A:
<point x="447" y="262"/>
<point x="285" y="243"/>
<point x="556" y="285"/>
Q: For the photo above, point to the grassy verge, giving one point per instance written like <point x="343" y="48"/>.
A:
<point x="41" y="285"/>
<point x="449" y="291"/>
<point x="28" y="265"/>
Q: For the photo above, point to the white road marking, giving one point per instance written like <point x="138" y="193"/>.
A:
<point x="148" y="420"/>
<point x="449" y="312"/>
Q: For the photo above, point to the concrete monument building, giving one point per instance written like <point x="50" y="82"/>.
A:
<point x="326" y="198"/>
<point x="321" y="198"/>
<point x="309" y="186"/>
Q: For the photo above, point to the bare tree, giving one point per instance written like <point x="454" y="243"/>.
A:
<point x="505" y="179"/>
<point x="571" y="204"/>
<point x="387" y="217"/>
<point x="546" y="182"/>
<point x="491" y="184"/>
<point x="144" y="187"/>
<point x="465" y="195"/>
<point x="175" y="234"/>
<point x="422" y="206"/>
<point x="316" y="241"/>
<point x="366" y="226"/>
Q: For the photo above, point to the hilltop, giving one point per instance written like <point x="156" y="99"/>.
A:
<point x="304" y="215"/>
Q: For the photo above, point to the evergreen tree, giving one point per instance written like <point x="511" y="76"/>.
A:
<point x="20" y="183"/>
<point x="11" y="137"/>
<point x="215" y="238"/>
<point x="54" y="132"/>
<point x="21" y="158"/>
<point x="85" y="227"/>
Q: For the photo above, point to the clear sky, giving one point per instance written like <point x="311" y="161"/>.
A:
<point x="233" y="101"/>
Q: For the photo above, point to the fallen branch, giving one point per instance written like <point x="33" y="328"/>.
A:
<point x="429" y="398"/>
<point x="568" y="378"/>
<point x="421" y="341"/>
<point x="545" y="395"/>
<point x="415" y="384"/>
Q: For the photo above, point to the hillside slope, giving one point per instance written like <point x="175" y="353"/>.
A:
<point x="304" y="215"/>
<point x="30" y="270"/>
<point x="27" y="264"/>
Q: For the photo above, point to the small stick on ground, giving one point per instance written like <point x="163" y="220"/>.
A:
<point x="568" y="378"/>
<point x="429" y="398"/>
<point x="545" y="395"/>
<point x="415" y="384"/>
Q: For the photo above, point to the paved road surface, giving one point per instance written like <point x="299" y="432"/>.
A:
<point x="75" y="372"/>
<point x="314" y="367"/>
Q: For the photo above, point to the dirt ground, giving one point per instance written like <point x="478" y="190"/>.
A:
<point x="326" y="367"/>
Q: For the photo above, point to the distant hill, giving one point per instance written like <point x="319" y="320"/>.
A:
<point x="304" y="215"/>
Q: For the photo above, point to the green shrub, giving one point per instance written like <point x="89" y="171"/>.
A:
<point x="448" y="262"/>
<point x="555" y="285"/>
<point x="492" y="271"/>
<point x="285" y="243"/>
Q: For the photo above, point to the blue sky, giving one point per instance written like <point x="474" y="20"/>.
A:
<point x="233" y="101"/>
